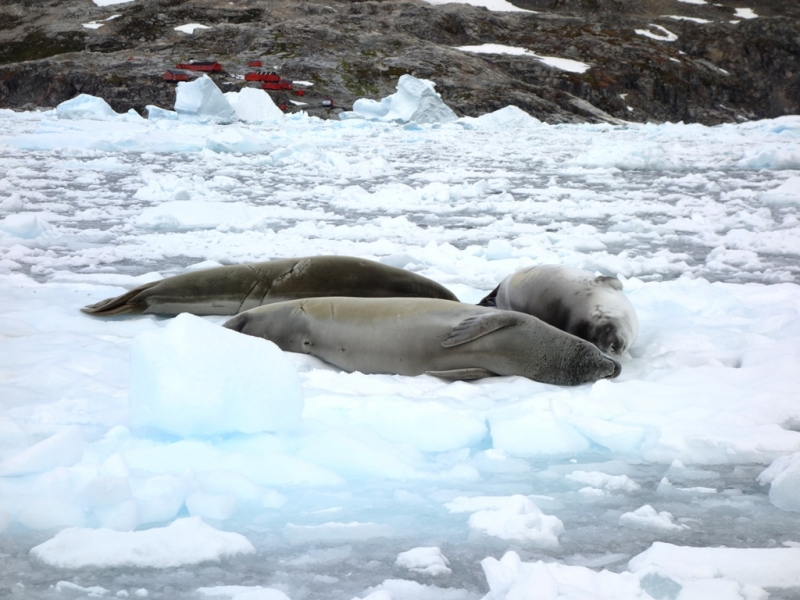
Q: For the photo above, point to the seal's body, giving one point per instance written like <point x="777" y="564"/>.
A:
<point x="407" y="336"/>
<point x="592" y="308"/>
<point x="232" y="289"/>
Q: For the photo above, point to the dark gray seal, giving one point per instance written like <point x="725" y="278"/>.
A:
<point x="232" y="289"/>
<point x="592" y="308"/>
<point x="407" y="336"/>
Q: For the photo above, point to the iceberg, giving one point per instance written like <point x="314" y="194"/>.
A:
<point x="85" y="106"/>
<point x="254" y="106"/>
<point x="202" y="100"/>
<point x="414" y="102"/>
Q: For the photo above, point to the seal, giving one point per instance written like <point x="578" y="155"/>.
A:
<point x="232" y="289"/>
<point x="592" y="308"/>
<point x="414" y="336"/>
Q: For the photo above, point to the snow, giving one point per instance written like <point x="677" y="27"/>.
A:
<point x="564" y="64"/>
<point x="100" y="23"/>
<point x="495" y="5"/>
<point x="110" y="2"/>
<point x="127" y="426"/>
<point x="745" y="13"/>
<point x="663" y="34"/>
<point x="183" y="542"/>
<point x="190" y="27"/>
<point x="692" y="19"/>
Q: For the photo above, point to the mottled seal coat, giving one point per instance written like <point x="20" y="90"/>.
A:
<point x="232" y="289"/>
<point x="590" y="307"/>
<point x="407" y="336"/>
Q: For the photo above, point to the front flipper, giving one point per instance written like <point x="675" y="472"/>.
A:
<point x="463" y="374"/>
<point x="476" y="326"/>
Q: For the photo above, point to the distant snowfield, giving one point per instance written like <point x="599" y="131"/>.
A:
<point x="190" y="27"/>
<point x="692" y="19"/>
<point x="564" y="64"/>
<point x="746" y="13"/>
<point x="146" y="456"/>
<point x="496" y="5"/>
<point x="99" y="24"/>
<point x="110" y="2"/>
<point x="661" y="34"/>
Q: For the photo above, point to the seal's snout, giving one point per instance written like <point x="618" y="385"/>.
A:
<point x="616" y="367"/>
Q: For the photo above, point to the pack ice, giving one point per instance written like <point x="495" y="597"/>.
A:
<point x="160" y="458"/>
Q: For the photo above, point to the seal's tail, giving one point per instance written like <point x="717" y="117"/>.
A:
<point x="491" y="299"/>
<point x="120" y="305"/>
<point x="237" y="323"/>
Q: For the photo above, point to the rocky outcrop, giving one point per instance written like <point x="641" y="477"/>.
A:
<point x="710" y="66"/>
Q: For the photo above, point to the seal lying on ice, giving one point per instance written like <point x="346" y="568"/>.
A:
<point x="407" y="336"/>
<point x="592" y="308"/>
<point x="232" y="289"/>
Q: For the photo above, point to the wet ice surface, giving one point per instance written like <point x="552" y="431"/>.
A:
<point x="707" y="400"/>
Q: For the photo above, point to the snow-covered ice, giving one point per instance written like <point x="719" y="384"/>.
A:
<point x="678" y="479"/>
<point x="184" y="541"/>
<point x="428" y="561"/>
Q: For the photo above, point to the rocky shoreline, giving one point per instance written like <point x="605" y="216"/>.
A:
<point x="715" y="64"/>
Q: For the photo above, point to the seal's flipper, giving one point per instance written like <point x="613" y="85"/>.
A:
<point x="491" y="299"/>
<point x="463" y="374"/>
<point x="120" y="305"/>
<point x="474" y="327"/>
<point x="611" y="282"/>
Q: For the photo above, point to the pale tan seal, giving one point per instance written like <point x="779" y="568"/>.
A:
<point x="232" y="289"/>
<point x="408" y="336"/>
<point x="592" y="307"/>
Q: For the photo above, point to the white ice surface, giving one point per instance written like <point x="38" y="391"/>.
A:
<point x="196" y="378"/>
<point x="700" y="223"/>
